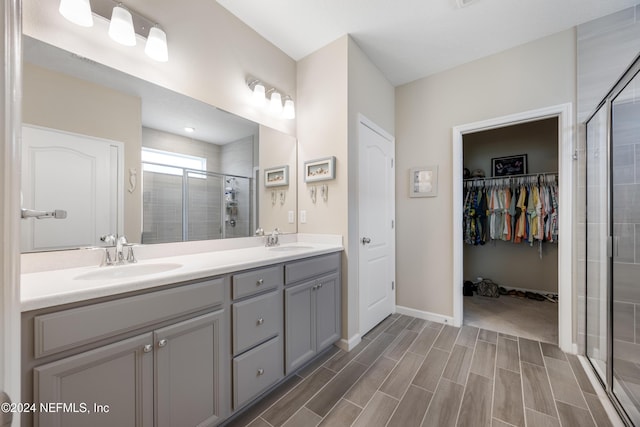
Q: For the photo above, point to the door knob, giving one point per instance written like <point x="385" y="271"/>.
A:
<point x="365" y="240"/>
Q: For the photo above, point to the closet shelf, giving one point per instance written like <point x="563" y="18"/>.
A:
<point x="516" y="179"/>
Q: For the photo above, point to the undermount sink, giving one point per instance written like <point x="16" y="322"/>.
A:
<point x="127" y="270"/>
<point x="289" y="248"/>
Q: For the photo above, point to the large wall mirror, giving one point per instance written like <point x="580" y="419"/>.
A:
<point x="125" y="156"/>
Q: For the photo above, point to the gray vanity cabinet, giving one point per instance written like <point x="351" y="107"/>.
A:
<point x="256" y="332"/>
<point x="187" y="372"/>
<point x="119" y="375"/>
<point x="156" y="359"/>
<point x="312" y="309"/>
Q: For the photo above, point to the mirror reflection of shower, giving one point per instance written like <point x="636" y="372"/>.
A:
<point x="187" y="204"/>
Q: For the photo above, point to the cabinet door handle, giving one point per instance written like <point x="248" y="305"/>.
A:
<point x="162" y="343"/>
<point x="147" y="348"/>
<point x="260" y="321"/>
<point x="314" y="287"/>
<point x="260" y="372"/>
<point x="259" y="282"/>
<point x="320" y="285"/>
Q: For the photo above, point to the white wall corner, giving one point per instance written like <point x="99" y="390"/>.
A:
<point x="348" y="345"/>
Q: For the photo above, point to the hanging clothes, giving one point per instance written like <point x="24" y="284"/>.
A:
<point x="512" y="209"/>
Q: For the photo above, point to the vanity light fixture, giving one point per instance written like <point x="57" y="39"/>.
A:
<point x="124" y="24"/>
<point x="77" y="11"/>
<point x="275" y="104"/>
<point x="156" y="47"/>
<point x="258" y="92"/>
<point x="260" y="95"/>
<point x="289" y="111"/>
<point x="121" y="26"/>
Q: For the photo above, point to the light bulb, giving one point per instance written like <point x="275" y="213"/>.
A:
<point x="156" y="47"/>
<point x="259" y="97"/>
<point x="275" y="106"/>
<point x="77" y="11"/>
<point x="121" y="26"/>
<point x="289" y="111"/>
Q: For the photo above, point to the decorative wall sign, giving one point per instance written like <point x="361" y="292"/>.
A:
<point x="423" y="181"/>
<point x="320" y="169"/>
<point x="510" y="165"/>
<point x="276" y="177"/>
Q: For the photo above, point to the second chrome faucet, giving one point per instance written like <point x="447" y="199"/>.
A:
<point x="121" y="245"/>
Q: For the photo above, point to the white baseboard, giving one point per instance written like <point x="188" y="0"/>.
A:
<point x="348" y="345"/>
<point x="447" y="320"/>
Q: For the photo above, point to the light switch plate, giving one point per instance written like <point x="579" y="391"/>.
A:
<point x="291" y="218"/>
<point x="303" y="217"/>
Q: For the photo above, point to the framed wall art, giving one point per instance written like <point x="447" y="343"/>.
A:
<point x="423" y="181"/>
<point x="276" y="177"/>
<point x="320" y="169"/>
<point x="510" y="165"/>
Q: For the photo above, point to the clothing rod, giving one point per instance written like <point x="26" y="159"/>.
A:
<point x="511" y="176"/>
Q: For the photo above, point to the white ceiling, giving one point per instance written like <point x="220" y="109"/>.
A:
<point x="410" y="39"/>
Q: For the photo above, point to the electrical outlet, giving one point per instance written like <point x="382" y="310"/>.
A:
<point x="291" y="218"/>
<point x="303" y="217"/>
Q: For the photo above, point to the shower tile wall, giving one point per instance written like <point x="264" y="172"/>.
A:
<point x="237" y="159"/>
<point x="605" y="48"/>
<point x="626" y="205"/>
<point x="161" y="208"/>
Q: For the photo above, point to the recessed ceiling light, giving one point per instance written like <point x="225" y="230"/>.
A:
<point x="189" y="129"/>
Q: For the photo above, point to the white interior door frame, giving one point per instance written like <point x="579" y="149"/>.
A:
<point x="10" y="121"/>
<point x="564" y="113"/>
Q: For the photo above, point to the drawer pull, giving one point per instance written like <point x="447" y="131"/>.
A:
<point x="260" y="372"/>
<point x="162" y="343"/>
<point x="260" y="321"/>
<point x="147" y="348"/>
<point x="259" y="282"/>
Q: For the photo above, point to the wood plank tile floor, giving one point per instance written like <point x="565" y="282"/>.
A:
<point x="412" y="372"/>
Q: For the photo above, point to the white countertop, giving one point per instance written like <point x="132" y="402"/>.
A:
<point x="56" y="287"/>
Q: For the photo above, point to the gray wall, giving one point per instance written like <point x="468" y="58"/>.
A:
<point x="514" y="265"/>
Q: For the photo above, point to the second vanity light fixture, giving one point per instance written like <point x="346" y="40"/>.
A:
<point x="121" y="27"/>
<point x="271" y="99"/>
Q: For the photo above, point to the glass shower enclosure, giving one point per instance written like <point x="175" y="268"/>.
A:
<point x="613" y="244"/>
<point x="195" y="205"/>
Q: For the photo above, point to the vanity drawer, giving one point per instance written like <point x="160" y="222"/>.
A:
<point x="257" y="370"/>
<point x="66" y="329"/>
<point x="302" y="270"/>
<point x="252" y="282"/>
<point x="255" y="320"/>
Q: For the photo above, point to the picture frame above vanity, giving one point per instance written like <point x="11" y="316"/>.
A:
<point x="276" y="177"/>
<point x="320" y="169"/>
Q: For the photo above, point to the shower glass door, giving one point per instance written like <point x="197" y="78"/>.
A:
<point x="613" y="244"/>
<point x="625" y="216"/>
<point x="597" y="301"/>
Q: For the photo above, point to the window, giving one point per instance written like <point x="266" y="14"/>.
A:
<point x="171" y="163"/>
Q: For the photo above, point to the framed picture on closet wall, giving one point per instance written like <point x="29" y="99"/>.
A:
<point x="423" y="181"/>
<point x="510" y="165"/>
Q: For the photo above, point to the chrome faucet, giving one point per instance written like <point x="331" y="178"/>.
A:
<point x="272" y="239"/>
<point x="119" y="243"/>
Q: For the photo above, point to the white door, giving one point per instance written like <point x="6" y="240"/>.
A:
<point x="71" y="172"/>
<point x="376" y="201"/>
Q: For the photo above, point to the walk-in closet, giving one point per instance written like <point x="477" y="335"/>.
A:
<point x="511" y="229"/>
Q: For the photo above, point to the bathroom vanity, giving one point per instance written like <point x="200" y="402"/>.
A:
<point x="188" y="346"/>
